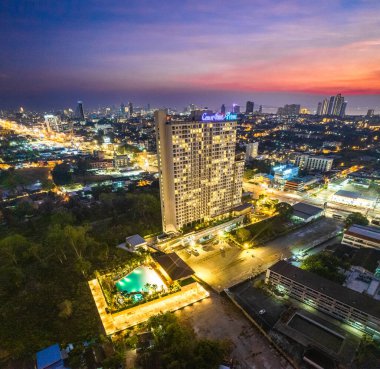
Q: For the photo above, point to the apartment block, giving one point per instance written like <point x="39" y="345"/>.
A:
<point x="354" y="308"/>
<point x="362" y="236"/>
<point x="318" y="163"/>
<point x="251" y="150"/>
<point x="200" y="175"/>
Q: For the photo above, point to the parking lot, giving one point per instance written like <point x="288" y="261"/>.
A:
<point x="225" y="264"/>
<point x="217" y="318"/>
<point x="262" y="307"/>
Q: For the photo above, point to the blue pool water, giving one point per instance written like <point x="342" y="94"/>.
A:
<point x="138" y="278"/>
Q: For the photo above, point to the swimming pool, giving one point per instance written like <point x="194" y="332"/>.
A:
<point x="138" y="278"/>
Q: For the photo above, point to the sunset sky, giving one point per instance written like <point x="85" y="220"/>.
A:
<point x="172" y="53"/>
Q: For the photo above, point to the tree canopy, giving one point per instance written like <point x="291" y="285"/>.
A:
<point x="356" y="218"/>
<point x="46" y="260"/>
<point x="176" y="346"/>
<point x="284" y="209"/>
<point x="325" y="265"/>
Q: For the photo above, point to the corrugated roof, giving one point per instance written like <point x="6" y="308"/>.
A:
<point x="174" y="266"/>
<point x="368" y="233"/>
<point x="135" y="240"/>
<point x="48" y="356"/>
<point x="304" y="211"/>
<point x="353" y="195"/>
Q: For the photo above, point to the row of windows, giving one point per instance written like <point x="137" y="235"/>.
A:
<point x="324" y="302"/>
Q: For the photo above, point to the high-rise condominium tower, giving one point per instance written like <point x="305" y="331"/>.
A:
<point x="249" y="107"/>
<point x="335" y="106"/>
<point x="79" y="112"/>
<point x="200" y="177"/>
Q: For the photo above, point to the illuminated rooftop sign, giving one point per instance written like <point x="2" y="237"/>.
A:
<point x="218" y="117"/>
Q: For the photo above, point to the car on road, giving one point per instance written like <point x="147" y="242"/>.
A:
<point x="195" y="252"/>
<point x="262" y="311"/>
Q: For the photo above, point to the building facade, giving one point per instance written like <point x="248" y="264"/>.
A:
<point x="121" y="161"/>
<point x="354" y="308"/>
<point x="200" y="176"/>
<point x="362" y="236"/>
<point x="284" y="172"/>
<point x="334" y="106"/>
<point x="354" y="198"/>
<point x="252" y="150"/>
<point x="289" y="109"/>
<point x="249" y="107"/>
<point x="79" y="112"/>
<point x="318" y="163"/>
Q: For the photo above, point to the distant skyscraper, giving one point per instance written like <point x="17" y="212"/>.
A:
<point x="122" y="109"/>
<point x="338" y="104"/>
<point x="342" y="112"/>
<point x="200" y="176"/>
<point x="79" y="112"/>
<point x="289" y="109"/>
<point x="249" y="107"/>
<point x="130" y="107"/>
<point x="370" y="112"/>
<point x="260" y="109"/>
<point x="236" y="109"/>
<point x="335" y="106"/>
<point x="325" y="106"/>
<point x="223" y="109"/>
<point x="319" y="109"/>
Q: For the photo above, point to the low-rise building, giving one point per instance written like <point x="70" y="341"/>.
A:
<point x="242" y="209"/>
<point x="353" y="198"/>
<point x="307" y="212"/>
<point x="121" y="161"/>
<point x="135" y="242"/>
<point x="284" y="172"/>
<point x="252" y="150"/>
<point x="362" y="236"/>
<point x="317" y="163"/>
<point x="50" y="358"/>
<point x="356" y="309"/>
<point x="101" y="164"/>
<point x="302" y="184"/>
<point x="172" y="267"/>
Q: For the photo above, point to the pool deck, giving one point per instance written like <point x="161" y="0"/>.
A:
<point x="122" y="320"/>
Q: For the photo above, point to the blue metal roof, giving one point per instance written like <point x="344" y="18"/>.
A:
<point x="49" y="356"/>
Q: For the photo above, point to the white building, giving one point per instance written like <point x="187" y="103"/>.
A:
<point x="53" y="123"/>
<point x="251" y="150"/>
<point x="121" y="161"/>
<point x="200" y="177"/>
<point x="362" y="236"/>
<point x="319" y="163"/>
<point x="353" y="199"/>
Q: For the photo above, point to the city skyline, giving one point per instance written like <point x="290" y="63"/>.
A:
<point x="272" y="53"/>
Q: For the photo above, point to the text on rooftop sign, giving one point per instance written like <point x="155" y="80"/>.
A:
<point x="218" y="117"/>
